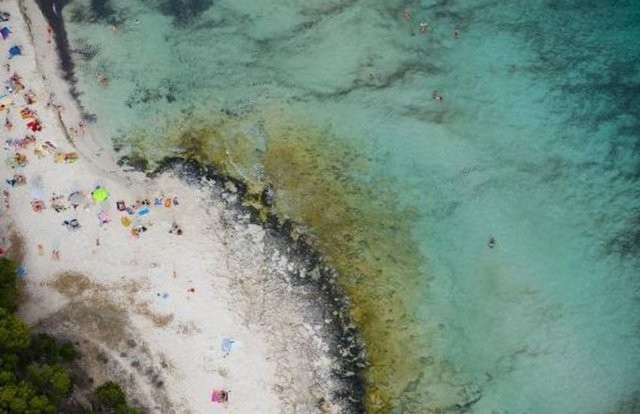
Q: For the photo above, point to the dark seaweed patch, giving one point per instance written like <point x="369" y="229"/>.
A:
<point x="98" y="11"/>
<point x="86" y="51"/>
<point x="166" y="90"/>
<point x="102" y="9"/>
<point x="626" y="243"/>
<point x="184" y="12"/>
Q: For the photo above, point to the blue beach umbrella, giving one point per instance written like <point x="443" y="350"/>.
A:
<point x="5" y="32"/>
<point x="15" y="51"/>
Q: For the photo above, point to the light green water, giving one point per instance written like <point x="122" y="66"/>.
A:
<point x="535" y="143"/>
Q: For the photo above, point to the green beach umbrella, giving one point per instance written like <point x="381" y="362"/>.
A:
<point x="100" y="194"/>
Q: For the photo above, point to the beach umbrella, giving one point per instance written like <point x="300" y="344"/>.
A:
<point x="76" y="198"/>
<point x="5" y="32"/>
<point x="15" y="51"/>
<point x="100" y="194"/>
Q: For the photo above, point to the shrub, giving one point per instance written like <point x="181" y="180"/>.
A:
<point x="8" y="288"/>
<point x="67" y="352"/>
<point x="125" y="409"/>
<point x="14" y="333"/>
<point x="111" y="395"/>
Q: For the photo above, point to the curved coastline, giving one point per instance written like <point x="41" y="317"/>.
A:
<point x="434" y="341"/>
<point x="388" y="378"/>
<point x="308" y="270"/>
<point x="325" y="306"/>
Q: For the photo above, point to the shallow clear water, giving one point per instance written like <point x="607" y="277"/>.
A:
<point x="535" y="143"/>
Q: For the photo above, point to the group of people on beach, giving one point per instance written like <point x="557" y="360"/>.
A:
<point x="29" y="139"/>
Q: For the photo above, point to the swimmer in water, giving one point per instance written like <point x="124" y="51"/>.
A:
<point x="104" y="81"/>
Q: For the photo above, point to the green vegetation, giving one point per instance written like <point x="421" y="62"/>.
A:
<point x="8" y="289"/>
<point x="111" y="396"/>
<point x="34" y="375"/>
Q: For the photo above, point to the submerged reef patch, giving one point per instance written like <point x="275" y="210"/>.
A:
<point x="96" y="11"/>
<point x="184" y="12"/>
<point x="626" y="242"/>
<point x="302" y="176"/>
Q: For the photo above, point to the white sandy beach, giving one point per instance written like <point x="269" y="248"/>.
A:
<point x="149" y="311"/>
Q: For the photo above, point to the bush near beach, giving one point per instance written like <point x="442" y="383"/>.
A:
<point x="34" y="368"/>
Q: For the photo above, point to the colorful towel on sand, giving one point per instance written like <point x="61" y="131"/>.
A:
<point x="219" y="396"/>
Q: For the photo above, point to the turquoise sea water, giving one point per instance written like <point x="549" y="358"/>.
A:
<point x="535" y="143"/>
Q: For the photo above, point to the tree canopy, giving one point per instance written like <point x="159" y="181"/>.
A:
<point x="34" y="374"/>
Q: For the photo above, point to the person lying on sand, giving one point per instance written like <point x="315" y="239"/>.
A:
<point x="175" y="229"/>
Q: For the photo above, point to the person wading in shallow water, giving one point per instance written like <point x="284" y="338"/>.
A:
<point x="492" y="242"/>
<point x="103" y="80"/>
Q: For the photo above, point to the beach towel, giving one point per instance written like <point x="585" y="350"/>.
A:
<point x="143" y="211"/>
<point x="20" y="159"/>
<point x="70" y="157"/>
<point x="27" y="113"/>
<point x="227" y="343"/>
<point x="38" y="205"/>
<point x="5" y="102"/>
<point x="104" y="217"/>
<point x="36" y="190"/>
<point x="34" y="126"/>
<point x="219" y="396"/>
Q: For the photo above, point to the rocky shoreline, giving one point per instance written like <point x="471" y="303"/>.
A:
<point x="311" y="277"/>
